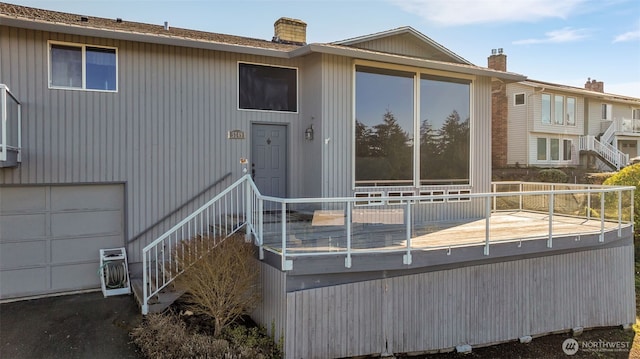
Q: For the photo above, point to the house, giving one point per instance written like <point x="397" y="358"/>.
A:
<point x="551" y="125"/>
<point x="361" y="169"/>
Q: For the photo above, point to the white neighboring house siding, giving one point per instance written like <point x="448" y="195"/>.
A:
<point x="554" y="131"/>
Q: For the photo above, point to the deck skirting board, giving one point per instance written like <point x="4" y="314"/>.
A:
<point x="475" y="305"/>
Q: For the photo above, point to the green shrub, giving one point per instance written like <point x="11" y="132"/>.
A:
<point x="552" y="175"/>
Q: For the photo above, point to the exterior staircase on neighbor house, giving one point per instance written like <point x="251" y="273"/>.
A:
<point x="604" y="149"/>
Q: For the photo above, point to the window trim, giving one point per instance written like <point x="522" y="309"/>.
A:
<point x="524" y="99"/>
<point x="418" y="73"/>
<point x="550" y="113"/>
<point x="575" y="110"/>
<point x="608" y="112"/>
<point x="83" y="47"/>
<point x="297" y="69"/>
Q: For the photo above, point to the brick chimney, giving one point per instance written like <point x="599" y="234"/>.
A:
<point x="497" y="60"/>
<point x="290" y="31"/>
<point x="593" y="85"/>
<point x="499" y="111"/>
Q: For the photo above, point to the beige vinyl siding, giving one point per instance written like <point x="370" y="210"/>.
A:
<point x="163" y="133"/>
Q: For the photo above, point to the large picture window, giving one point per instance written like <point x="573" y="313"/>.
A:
<point x="267" y="88"/>
<point x="82" y="67"/>
<point x="559" y="109"/>
<point x="384" y="127"/>
<point x="387" y="149"/>
<point x="571" y="111"/>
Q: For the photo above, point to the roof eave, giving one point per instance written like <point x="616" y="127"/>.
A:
<point x="139" y="37"/>
<point x="416" y="62"/>
<point x="584" y="92"/>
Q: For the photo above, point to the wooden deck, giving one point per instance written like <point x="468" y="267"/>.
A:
<point x="309" y="237"/>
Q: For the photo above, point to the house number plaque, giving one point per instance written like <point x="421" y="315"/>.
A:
<point x="235" y="135"/>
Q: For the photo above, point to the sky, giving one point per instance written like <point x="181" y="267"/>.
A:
<point x="559" y="41"/>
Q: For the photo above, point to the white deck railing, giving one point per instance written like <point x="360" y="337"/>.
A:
<point x="10" y="126"/>
<point x="612" y="155"/>
<point x="277" y="224"/>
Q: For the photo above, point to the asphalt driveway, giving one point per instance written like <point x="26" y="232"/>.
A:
<point x="72" y="326"/>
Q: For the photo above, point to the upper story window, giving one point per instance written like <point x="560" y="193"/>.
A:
<point x="571" y="111"/>
<point x="267" y="88"/>
<point x="607" y="110"/>
<point x="635" y="114"/>
<point x="518" y="99"/>
<point x="558" y="107"/>
<point x="83" y="67"/>
<point x="546" y="109"/>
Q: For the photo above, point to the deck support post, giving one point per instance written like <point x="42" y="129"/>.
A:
<point x="406" y="259"/>
<point x="551" y="206"/>
<point x="487" y="228"/>
<point x="347" y="261"/>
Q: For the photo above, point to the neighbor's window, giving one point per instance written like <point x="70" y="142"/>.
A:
<point x="606" y="111"/>
<point x="546" y="108"/>
<point x="268" y="88"/>
<point x="558" y="110"/>
<point x="82" y="67"/>
<point x="542" y="149"/>
<point x="635" y="114"/>
<point x="518" y="99"/>
<point x="554" y="149"/>
<point x="384" y="126"/>
<point x="566" y="150"/>
<point x="571" y="111"/>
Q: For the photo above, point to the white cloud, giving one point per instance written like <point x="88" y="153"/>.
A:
<point x="628" y="36"/>
<point x="563" y="35"/>
<point x="464" y="12"/>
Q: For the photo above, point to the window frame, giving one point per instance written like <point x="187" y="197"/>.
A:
<point x="607" y="112"/>
<point x="574" y="110"/>
<point x="567" y="155"/>
<point x="418" y="73"/>
<point x="546" y="149"/>
<point x="558" y="113"/>
<point x="515" y="99"/>
<point x="83" y="47"/>
<point x="297" y="70"/>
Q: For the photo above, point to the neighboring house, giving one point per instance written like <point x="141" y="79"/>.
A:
<point x="544" y="124"/>
<point x="377" y="225"/>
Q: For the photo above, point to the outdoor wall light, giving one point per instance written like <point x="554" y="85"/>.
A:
<point x="308" y="133"/>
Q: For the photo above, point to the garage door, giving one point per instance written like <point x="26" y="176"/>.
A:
<point x="50" y="236"/>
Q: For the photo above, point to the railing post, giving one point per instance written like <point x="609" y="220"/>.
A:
<point x="619" y="213"/>
<point x="286" y="264"/>
<point x="487" y="229"/>
<point x="145" y="283"/>
<point x="248" y="212"/>
<point x="406" y="259"/>
<point x="589" y="202"/>
<point x="347" y="261"/>
<point x="602" y="195"/>
<point x="551" y="206"/>
<point x="3" y="119"/>
<point x="520" y="189"/>
<point x="261" y="227"/>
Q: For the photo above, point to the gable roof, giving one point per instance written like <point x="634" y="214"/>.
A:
<point x="405" y="30"/>
<point x="54" y="21"/>
<point x="581" y="91"/>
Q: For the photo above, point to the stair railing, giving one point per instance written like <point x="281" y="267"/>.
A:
<point x="607" y="152"/>
<point x="607" y="136"/>
<point x="224" y="215"/>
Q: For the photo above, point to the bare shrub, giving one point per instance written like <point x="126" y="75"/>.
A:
<point x="165" y="336"/>
<point x="221" y="283"/>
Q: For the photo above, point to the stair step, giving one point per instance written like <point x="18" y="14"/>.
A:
<point x="163" y="299"/>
